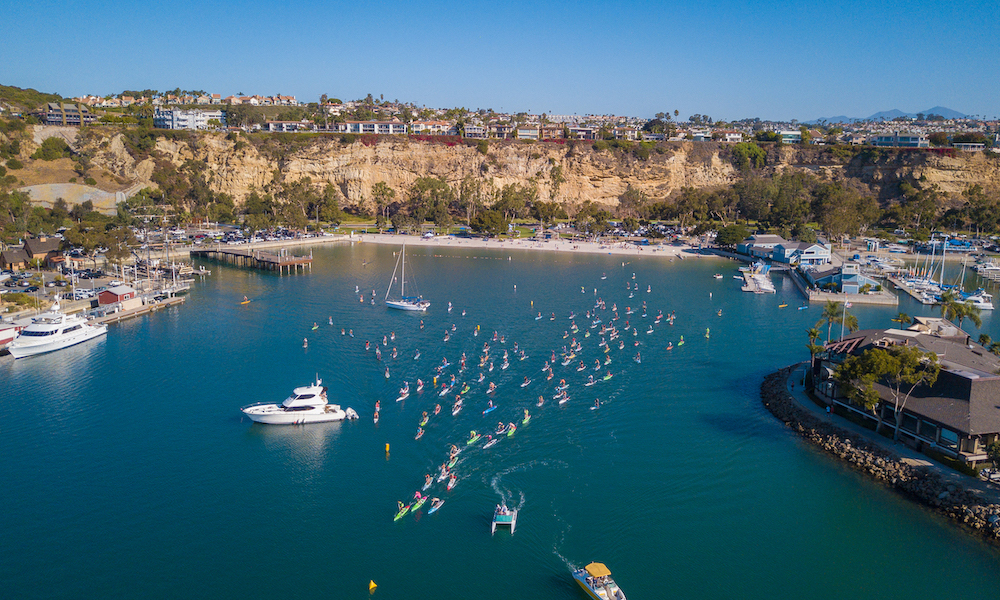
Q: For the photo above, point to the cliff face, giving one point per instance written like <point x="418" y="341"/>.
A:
<point x="569" y="174"/>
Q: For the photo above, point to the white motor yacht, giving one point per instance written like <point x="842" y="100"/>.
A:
<point x="53" y="330"/>
<point x="307" y="404"/>
<point x="981" y="300"/>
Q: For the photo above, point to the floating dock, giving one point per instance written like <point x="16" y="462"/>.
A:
<point x="258" y="259"/>
<point x="142" y="310"/>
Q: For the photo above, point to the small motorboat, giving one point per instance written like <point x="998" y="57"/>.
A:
<point x="504" y="517"/>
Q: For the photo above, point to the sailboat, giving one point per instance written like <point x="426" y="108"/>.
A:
<point x="405" y="302"/>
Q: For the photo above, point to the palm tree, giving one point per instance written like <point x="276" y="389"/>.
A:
<point x="949" y="304"/>
<point x="830" y="314"/>
<point x="903" y="319"/>
<point x="985" y="340"/>
<point x="849" y="321"/>
<point x="953" y="308"/>
<point x="968" y="310"/>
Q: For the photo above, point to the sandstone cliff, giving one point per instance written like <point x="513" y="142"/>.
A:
<point x="570" y="173"/>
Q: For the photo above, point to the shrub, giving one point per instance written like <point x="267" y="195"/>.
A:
<point x="348" y="139"/>
<point x="483" y="147"/>
<point x="14" y="164"/>
<point x="51" y="149"/>
<point x="90" y="181"/>
<point x="600" y="145"/>
<point x="72" y="179"/>
<point x="3" y="171"/>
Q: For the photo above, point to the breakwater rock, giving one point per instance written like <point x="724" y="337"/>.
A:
<point x="919" y="483"/>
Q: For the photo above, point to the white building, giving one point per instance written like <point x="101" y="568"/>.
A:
<point x="175" y="118"/>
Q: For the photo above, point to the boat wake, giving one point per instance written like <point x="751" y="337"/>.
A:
<point x="562" y="538"/>
<point x="506" y="495"/>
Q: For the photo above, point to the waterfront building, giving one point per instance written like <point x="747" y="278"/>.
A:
<point x="801" y="253"/>
<point x="957" y="417"/>
<point x="583" y="133"/>
<point x="176" y="118"/>
<point x="760" y="245"/>
<point x="900" y="140"/>
<point x="122" y="295"/>
<point x="847" y="278"/>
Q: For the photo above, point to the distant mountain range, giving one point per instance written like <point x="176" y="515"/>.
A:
<point x="889" y="115"/>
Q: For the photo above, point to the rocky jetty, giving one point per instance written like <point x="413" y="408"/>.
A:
<point x="923" y="485"/>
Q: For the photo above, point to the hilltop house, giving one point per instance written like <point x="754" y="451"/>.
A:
<point x="958" y="416"/>
<point x="55" y="113"/>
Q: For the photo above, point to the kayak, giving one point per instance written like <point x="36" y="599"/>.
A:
<point x="452" y="484"/>
<point x="525" y="420"/>
<point x="452" y="463"/>
<point x="455" y="410"/>
<point x="427" y="484"/>
<point x="402" y="512"/>
<point x="564" y="400"/>
<point x="435" y="506"/>
<point x="491" y="443"/>
<point x="590" y="383"/>
<point x="444" y="391"/>
<point x="473" y="439"/>
<point x="607" y="377"/>
<point x="423" y="421"/>
<point x="489" y="410"/>
<point x="511" y="431"/>
<point x="525" y="383"/>
<point x="465" y="389"/>
<point x="419" y="435"/>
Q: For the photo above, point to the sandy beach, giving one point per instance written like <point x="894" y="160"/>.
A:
<point x="560" y="245"/>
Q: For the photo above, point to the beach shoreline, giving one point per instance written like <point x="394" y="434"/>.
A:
<point x="557" y="245"/>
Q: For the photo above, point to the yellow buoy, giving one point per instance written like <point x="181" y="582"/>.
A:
<point x="387" y="447"/>
<point x="371" y="586"/>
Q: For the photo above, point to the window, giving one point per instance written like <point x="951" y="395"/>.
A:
<point x="928" y="430"/>
<point x="949" y="439"/>
<point x="909" y="422"/>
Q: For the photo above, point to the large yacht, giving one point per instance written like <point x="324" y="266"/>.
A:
<point x="53" y="330"/>
<point x="307" y="404"/>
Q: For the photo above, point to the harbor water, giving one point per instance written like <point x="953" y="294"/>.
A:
<point x="129" y="471"/>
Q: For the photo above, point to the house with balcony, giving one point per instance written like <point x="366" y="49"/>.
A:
<point x="476" y="132"/>
<point x="176" y="118"/>
<point x="958" y="416"/>
<point x="528" y="132"/>
<point x="790" y="136"/>
<point x="502" y="131"/>
<point x="583" y="133"/>
<point x="55" y="113"/>
<point x="900" y="140"/>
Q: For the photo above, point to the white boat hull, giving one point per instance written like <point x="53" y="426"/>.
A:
<point x="23" y="346"/>
<point x="406" y="305"/>
<point x="274" y="414"/>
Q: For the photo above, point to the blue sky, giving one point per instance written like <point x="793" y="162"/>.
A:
<point x="777" y="59"/>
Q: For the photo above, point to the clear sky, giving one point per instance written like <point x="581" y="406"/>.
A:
<point x="774" y="59"/>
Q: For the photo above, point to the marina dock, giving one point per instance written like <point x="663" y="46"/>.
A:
<point x="142" y="310"/>
<point x="258" y="259"/>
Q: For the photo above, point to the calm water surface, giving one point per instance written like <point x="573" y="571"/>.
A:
<point x="127" y="470"/>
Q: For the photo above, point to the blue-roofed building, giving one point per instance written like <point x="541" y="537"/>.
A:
<point x="848" y="278"/>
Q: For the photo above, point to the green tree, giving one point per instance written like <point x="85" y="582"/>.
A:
<point x="490" y="222"/>
<point x="993" y="453"/>
<point x="383" y="196"/>
<point x="729" y="236"/>
<point x="747" y="156"/>
<point x="952" y="307"/>
<point x="831" y="314"/>
<point x="903" y="319"/>
<point x="900" y="368"/>
<point x="630" y="201"/>
<point x="51" y="149"/>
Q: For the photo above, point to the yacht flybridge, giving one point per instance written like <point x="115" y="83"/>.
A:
<point x="307" y="404"/>
<point x="53" y="330"/>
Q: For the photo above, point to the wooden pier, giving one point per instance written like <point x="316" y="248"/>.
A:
<point x="258" y="259"/>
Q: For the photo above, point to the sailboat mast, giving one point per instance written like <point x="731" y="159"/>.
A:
<point x="393" y="278"/>
<point x="402" y="284"/>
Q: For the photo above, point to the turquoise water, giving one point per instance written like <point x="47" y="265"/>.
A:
<point x="128" y="471"/>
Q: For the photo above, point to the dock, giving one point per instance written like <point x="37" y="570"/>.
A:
<point x="258" y="259"/>
<point x="142" y="310"/>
